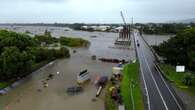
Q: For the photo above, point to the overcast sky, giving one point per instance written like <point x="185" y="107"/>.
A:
<point x="94" y="11"/>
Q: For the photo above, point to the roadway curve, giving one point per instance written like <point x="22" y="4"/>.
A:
<point x="158" y="92"/>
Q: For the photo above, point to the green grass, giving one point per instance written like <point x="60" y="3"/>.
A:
<point x="110" y="104"/>
<point x="177" y="78"/>
<point x="131" y="73"/>
<point x="3" y="85"/>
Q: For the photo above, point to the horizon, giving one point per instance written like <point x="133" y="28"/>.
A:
<point x="147" y="22"/>
<point x="169" y="21"/>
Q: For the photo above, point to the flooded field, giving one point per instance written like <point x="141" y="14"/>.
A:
<point x="31" y="95"/>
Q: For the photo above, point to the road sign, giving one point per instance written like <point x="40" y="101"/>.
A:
<point x="180" y="68"/>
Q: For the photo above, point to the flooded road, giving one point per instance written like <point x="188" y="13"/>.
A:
<point x="31" y="95"/>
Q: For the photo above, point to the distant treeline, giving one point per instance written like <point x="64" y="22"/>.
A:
<point x="76" y="26"/>
<point x="147" y="28"/>
<point x="163" y="28"/>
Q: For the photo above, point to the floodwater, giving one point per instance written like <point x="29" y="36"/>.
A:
<point x="27" y="97"/>
<point x="156" y="39"/>
<point x="101" y="44"/>
<point x="31" y="95"/>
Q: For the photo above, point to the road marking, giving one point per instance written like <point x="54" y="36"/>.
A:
<point x="168" y="88"/>
<point x="165" y="81"/>
<point x="155" y="82"/>
<point x="146" y="88"/>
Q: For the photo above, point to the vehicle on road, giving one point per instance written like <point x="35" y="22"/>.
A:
<point x="138" y="44"/>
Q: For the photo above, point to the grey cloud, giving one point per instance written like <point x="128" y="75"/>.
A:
<point x="80" y="11"/>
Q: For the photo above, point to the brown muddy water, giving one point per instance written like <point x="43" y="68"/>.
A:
<point x="31" y="95"/>
<point x="27" y="96"/>
<point x="156" y="39"/>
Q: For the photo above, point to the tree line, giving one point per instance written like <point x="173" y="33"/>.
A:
<point x="162" y="28"/>
<point x="179" y="49"/>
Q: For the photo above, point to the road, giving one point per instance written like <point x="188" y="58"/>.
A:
<point x="158" y="92"/>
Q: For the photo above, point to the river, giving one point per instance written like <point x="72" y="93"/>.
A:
<point x="156" y="39"/>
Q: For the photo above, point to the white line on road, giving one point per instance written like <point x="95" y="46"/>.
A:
<point x="146" y="88"/>
<point x="168" y="88"/>
<point x="143" y="77"/>
<point x="165" y="82"/>
<point x="155" y="82"/>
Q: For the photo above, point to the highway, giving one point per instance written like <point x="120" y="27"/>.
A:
<point x="158" y="92"/>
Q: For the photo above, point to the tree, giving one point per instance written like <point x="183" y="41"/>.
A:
<point x="20" y="52"/>
<point x="73" y="42"/>
<point x="179" y="49"/>
<point x="162" y="28"/>
<point x="14" y="63"/>
<point x="62" y="53"/>
<point x="21" y="41"/>
<point x="47" y="33"/>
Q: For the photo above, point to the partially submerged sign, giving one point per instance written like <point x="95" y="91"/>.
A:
<point x="180" y="68"/>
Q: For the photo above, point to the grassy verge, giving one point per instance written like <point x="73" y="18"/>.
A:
<point x="110" y="104"/>
<point x="131" y="74"/>
<point x="177" y="78"/>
